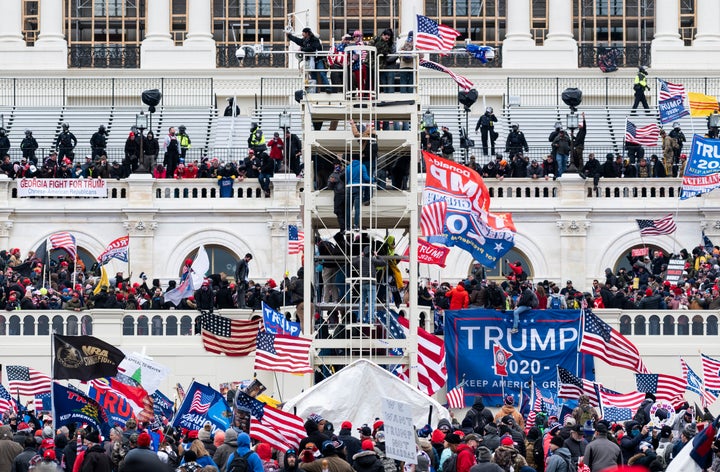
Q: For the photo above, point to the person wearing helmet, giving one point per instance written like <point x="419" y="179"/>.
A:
<point x="184" y="141"/>
<point x="640" y="86"/>
<point x="516" y="140"/>
<point x="65" y="143"/>
<point x="98" y="142"/>
<point x="554" y="134"/>
<point x="172" y="152"/>
<point x="486" y="125"/>
<point x="28" y="146"/>
<point x="4" y="143"/>
<point x="679" y="137"/>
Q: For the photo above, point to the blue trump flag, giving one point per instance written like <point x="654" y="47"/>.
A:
<point x="547" y="339"/>
<point x="162" y="405"/>
<point x="672" y="109"/>
<point x="72" y="406"/>
<point x="702" y="171"/>
<point x="276" y="323"/>
<point x="201" y="405"/>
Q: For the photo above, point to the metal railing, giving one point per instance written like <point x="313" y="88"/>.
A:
<point x="623" y="56"/>
<point x="112" y="56"/>
<point x="226" y="55"/>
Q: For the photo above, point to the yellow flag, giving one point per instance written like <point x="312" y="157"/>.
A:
<point x="269" y="400"/>
<point x="702" y="105"/>
<point x="104" y="281"/>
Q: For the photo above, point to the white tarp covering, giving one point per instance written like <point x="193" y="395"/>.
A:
<point x="354" y="394"/>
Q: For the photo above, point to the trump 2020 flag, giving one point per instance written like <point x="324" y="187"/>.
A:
<point x="117" y="249"/>
<point x="84" y="358"/>
<point x="276" y="323"/>
<point x="702" y="170"/>
<point x="202" y="404"/>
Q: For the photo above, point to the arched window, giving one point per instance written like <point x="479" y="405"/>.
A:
<point x="171" y="326"/>
<point x="625" y="325"/>
<point x="3" y="320"/>
<point x="72" y="325"/>
<point x="683" y="325"/>
<point x="29" y="325"/>
<point x="711" y="327"/>
<point x="697" y="325"/>
<point x="498" y="273"/>
<point x="57" y="325"/>
<point x="186" y="326"/>
<point x="84" y="256"/>
<point x="86" y="322"/>
<point x="639" y="325"/>
<point x="43" y="325"/>
<point x="668" y="325"/>
<point x="624" y="263"/>
<point x="128" y="326"/>
<point x="14" y="325"/>
<point x="222" y="260"/>
<point x="157" y="328"/>
<point x="142" y="326"/>
<point x="654" y="325"/>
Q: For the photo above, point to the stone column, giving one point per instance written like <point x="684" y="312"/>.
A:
<point x="51" y="21"/>
<point x="157" y="23"/>
<point x="518" y="21"/>
<point x="708" y="27"/>
<point x="560" y="22"/>
<point x="199" y="23"/>
<point x="667" y="14"/>
<point x="11" y="26"/>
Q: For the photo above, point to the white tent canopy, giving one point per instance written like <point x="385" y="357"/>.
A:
<point x="354" y="394"/>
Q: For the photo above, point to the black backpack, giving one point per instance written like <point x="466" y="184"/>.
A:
<point x="239" y="463"/>
<point x="450" y="464"/>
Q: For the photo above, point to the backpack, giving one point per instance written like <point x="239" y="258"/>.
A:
<point x="450" y="464"/>
<point x="239" y="463"/>
<point x="539" y="454"/>
<point x="555" y="303"/>
<point x="586" y="414"/>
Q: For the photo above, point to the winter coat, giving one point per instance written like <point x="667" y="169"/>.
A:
<point x="96" y="460"/>
<point x="142" y="459"/>
<point x="367" y="461"/>
<point x="226" y="449"/>
<point x="459" y="298"/>
<point x="559" y="461"/>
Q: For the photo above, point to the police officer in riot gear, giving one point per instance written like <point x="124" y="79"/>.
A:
<point x="184" y="141"/>
<point x="65" y="143"/>
<point x="640" y="86"/>
<point x="4" y="143"/>
<point x="98" y="142"/>
<point x="486" y="125"/>
<point x="516" y="141"/>
<point x="28" y="146"/>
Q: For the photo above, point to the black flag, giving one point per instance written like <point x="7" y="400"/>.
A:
<point x="85" y="358"/>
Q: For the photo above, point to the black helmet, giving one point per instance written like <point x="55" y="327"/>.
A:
<point x="65" y="126"/>
<point x="182" y="128"/>
<point x="642" y="70"/>
<point x="101" y="128"/>
<point x="28" y="132"/>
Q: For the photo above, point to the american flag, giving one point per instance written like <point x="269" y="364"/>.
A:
<point x="432" y="218"/>
<point x="571" y="386"/>
<point x="601" y="340"/>
<point x="434" y="37"/>
<point x="27" y="381"/>
<point x="280" y="429"/>
<point x="296" y="240"/>
<point x="221" y="335"/>
<point x="645" y="136"/>
<point x="201" y="402"/>
<point x="669" y="90"/>
<point x="664" y="387"/>
<point x="246" y="402"/>
<point x="6" y="401"/>
<point x="463" y="82"/>
<point x="711" y="372"/>
<point x="456" y="397"/>
<point x="630" y="400"/>
<point x="664" y="225"/>
<point x="535" y="407"/>
<point x="696" y="385"/>
<point x="282" y="353"/>
<point x="180" y="392"/>
<point x="65" y="241"/>
<point x="43" y="402"/>
<point x="432" y="373"/>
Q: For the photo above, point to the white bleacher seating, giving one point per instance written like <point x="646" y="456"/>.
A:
<point x="43" y="121"/>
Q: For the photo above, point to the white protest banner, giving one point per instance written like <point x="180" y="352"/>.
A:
<point x="144" y="370"/>
<point x="399" y="431"/>
<point x="96" y="188"/>
<point x="675" y="270"/>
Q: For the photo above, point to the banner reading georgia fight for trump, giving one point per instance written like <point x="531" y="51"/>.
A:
<point x="546" y="339"/>
<point x="702" y="171"/>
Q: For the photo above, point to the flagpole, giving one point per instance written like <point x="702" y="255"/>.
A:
<point x="52" y="376"/>
<point x="624" y="139"/>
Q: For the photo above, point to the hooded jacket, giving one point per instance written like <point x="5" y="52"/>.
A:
<point x="352" y="444"/>
<point x="367" y="461"/>
<point x="559" y="461"/>
<point x="510" y="410"/>
<point x="228" y="446"/>
<point x="478" y="416"/>
<point x="243" y="447"/>
<point x="459" y="297"/>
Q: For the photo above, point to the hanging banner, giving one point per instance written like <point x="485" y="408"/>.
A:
<point x="672" y="109"/>
<point x="429" y="253"/>
<point x="702" y="171"/>
<point x="546" y="339"/>
<point x="96" y="188"/>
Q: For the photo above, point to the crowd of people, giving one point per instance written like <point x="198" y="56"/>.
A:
<point x="485" y="440"/>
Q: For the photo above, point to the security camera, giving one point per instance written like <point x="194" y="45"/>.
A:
<point x="240" y="53"/>
<point x="490" y="54"/>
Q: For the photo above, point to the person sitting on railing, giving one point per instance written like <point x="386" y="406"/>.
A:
<point x="503" y="169"/>
<point x="550" y="168"/>
<point x="116" y="172"/>
<point x="490" y="170"/>
<point x="592" y="169"/>
<point x="64" y="170"/>
<point x="472" y="164"/>
<point x="535" y="170"/>
<point x="159" y="172"/>
<point x="630" y="171"/>
<point x="309" y="43"/>
<point x="7" y="168"/>
<point x="519" y="166"/>
<point x="657" y="168"/>
<point x="101" y="169"/>
<point x="74" y="304"/>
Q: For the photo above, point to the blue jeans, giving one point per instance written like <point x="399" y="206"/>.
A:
<point x="387" y="81"/>
<point x="516" y="314"/>
<point x="264" y="180"/>
<point x="406" y="78"/>
<point x="368" y="294"/>
<point x="562" y="160"/>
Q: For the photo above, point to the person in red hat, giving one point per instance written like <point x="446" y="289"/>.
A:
<point x="352" y="444"/>
<point x="205" y="297"/>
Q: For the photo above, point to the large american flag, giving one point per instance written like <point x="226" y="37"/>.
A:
<point x="696" y="385"/>
<point x="669" y="90"/>
<point x="645" y="135"/>
<point x="434" y="37"/>
<point x="65" y="241"/>
<point x="6" y="401"/>
<point x="571" y="386"/>
<point x="432" y="218"/>
<point x="221" y="335"/>
<point x="711" y="372"/>
<point x="282" y="353"/>
<point x="664" y="387"/>
<point x="201" y="402"/>
<point x="456" y="397"/>
<point x="432" y="373"/>
<point x="27" y="381"/>
<point x="664" y="225"/>
<point x="463" y="82"/>
<point x="280" y="429"/>
<point x="601" y="340"/>
<point x="296" y="240"/>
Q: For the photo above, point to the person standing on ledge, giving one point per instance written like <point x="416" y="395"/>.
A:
<point x="640" y="86"/>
